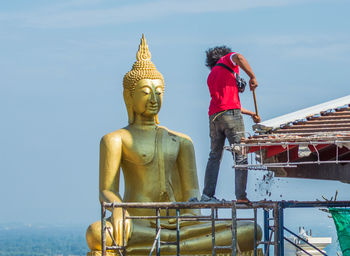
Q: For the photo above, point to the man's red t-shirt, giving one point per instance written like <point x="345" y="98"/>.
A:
<point x="223" y="87"/>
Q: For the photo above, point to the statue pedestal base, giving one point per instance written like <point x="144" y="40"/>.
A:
<point x="110" y="253"/>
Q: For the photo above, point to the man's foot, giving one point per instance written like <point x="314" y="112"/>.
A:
<point x="208" y="199"/>
<point x="193" y="200"/>
<point x="243" y="201"/>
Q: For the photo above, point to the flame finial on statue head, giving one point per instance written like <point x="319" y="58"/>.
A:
<point x="143" y="68"/>
<point x="143" y="54"/>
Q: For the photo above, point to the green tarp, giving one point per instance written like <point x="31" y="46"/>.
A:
<point x="341" y="219"/>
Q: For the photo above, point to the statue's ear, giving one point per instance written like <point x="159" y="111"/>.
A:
<point x="129" y="105"/>
<point x="156" y="119"/>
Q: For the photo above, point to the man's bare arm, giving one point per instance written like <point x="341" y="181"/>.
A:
<point x="255" y="117"/>
<point x="243" y="64"/>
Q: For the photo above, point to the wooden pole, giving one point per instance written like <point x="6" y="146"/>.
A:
<point x="256" y="106"/>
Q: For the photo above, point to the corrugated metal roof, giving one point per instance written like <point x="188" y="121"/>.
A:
<point x="306" y="138"/>
<point x="333" y="124"/>
<point x="304" y="114"/>
<point x="325" y="123"/>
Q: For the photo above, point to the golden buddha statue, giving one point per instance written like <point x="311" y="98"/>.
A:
<point x="158" y="166"/>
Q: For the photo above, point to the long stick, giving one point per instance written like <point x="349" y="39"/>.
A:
<point x="256" y="106"/>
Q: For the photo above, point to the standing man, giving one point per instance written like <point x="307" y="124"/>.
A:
<point x="225" y="119"/>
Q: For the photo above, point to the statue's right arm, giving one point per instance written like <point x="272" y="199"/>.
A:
<point x="110" y="158"/>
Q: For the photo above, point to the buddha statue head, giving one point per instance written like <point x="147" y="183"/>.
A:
<point x="143" y="72"/>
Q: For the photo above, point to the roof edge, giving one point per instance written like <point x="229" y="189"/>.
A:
<point x="300" y="114"/>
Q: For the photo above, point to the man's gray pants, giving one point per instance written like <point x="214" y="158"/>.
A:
<point x="228" y="124"/>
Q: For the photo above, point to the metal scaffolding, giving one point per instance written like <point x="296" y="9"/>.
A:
<point x="273" y="215"/>
<point x="258" y="159"/>
<point x="157" y="207"/>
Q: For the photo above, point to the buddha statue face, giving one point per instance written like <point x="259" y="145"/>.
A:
<point x="147" y="97"/>
<point x="143" y="86"/>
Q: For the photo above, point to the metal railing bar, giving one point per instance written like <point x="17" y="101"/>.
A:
<point x="213" y="230"/>
<point x="258" y="204"/>
<point x="270" y="242"/>
<point x="246" y="218"/>
<point x="337" y="154"/>
<point x="285" y="143"/>
<point x="103" y="229"/>
<point x="124" y="249"/>
<point x="114" y="242"/>
<point x="266" y="228"/>
<point x="168" y="243"/>
<point x="280" y="229"/>
<point x="111" y="236"/>
<point x="307" y="204"/>
<point x="182" y="218"/>
<point x="158" y="230"/>
<point x="255" y="232"/>
<point x="167" y="211"/>
<point x="297" y="246"/>
<point x="234" y="230"/>
<point x="222" y="247"/>
<point x="304" y="240"/>
<point x="113" y="248"/>
<point x="290" y="164"/>
<point x="186" y="205"/>
<point x="155" y="242"/>
<point x="276" y="230"/>
<point x="177" y="232"/>
<point x="264" y="242"/>
<point x="318" y="153"/>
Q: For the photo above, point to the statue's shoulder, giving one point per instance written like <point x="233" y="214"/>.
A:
<point x="183" y="138"/>
<point x="114" y="138"/>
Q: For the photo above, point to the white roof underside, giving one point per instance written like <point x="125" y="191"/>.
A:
<point x="277" y="122"/>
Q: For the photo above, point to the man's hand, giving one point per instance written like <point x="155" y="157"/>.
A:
<point x="253" y="83"/>
<point x="256" y="118"/>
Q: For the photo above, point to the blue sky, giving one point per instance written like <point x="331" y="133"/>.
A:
<point x="62" y="64"/>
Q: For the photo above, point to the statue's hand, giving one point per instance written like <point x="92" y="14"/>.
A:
<point x="172" y="222"/>
<point x="117" y="222"/>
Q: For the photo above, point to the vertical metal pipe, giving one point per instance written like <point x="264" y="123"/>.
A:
<point x="103" y="229"/>
<point x="266" y="229"/>
<point x="157" y="229"/>
<point x="213" y="229"/>
<point x="234" y="158"/>
<point x="275" y="223"/>
<point x="281" y="229"/>
<point x="167" y="211"/>
<point x="336" y="153"/>
<point x="177" y="232"/>
<point x="124" y="251"/>
<point x="234" y="230"/>
<point x="255" y="232"/>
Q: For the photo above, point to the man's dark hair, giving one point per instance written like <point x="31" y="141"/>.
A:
<point x="215" y="53"/>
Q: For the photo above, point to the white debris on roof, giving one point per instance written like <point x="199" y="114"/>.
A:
<point x="277" y="122"/>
